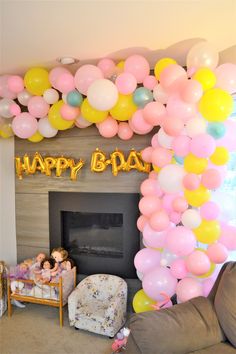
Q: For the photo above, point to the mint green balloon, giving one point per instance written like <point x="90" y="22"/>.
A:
<point x="74" y="98"/>
<point x="142" y="96"/>
<point x="216" y="130"/>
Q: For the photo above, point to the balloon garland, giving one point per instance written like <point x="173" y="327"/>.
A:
<point x="187" y="229"/>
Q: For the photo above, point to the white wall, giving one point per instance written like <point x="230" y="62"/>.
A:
<point x="7" y="202"/>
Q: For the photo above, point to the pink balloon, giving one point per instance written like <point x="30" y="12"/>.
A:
<point x="181" y="145"/>
<point x="188" y="288"/>
<point x="24" y="125"/>
<point x="178" y="268"/>
<point x="226" y="77"/>
<point x="159" y="220"/>
<point x="154" y="113"/>
<point x="15" y="83"/>
<point x="154" y="141"/>
<point x="207" y="285"/>
<point x="85" y="76"/>
<point x="106" y="65"/>
<point x="175" y="217"/>
<point x="80" y="122"/>
<point x="180" y="241"/>
<point x="217" y="253"/>
<point x="153" y="238"/>
<point x="172" y="77"/>
<point x="211" y="179"/>
<point x="191" y="181"/>
<point x="161" y="157"/>
<point x="138" y="66"/>
<point x="146" y="259"/>
<point x="147" y="154"/>
<point x="160" y="94"/>
<point x="229" y="139"/>
<point x="177" y="108"/>
<point x="191" y="91"/>
<point x="149" y="204"/>
<point x="108" y="128"/>
<point x="65" y="82"/>
<point x="173" y="126"/>
<point x="141" y="222"/>
<point x="167" y="201"/>
<point x="159" y="280"/>
<point x="139" y="124"/>
<point x="180" y="204"/>
<point x="4" y="89"/>
<point x="126" y="83"/>
<point x="68" y="112"/>
<point x="124" y="131"/>
<point x="38" y="107"/>
<point x="55" y="73"/>
<point x="15" y="109"/>
<point x="198" y="263"/>
<point x="153" y="175"/>
<point x="202" y="145"/>
<point x="228" y="236"/>
<point x="150" y="187"/>
<point x="209" y="211"/>
<point x="150" y="82"/>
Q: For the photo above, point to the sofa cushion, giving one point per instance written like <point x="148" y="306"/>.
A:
<point x="180" y="329"/>
<point x="221" y="348"/>
<point x="225" y="303"/>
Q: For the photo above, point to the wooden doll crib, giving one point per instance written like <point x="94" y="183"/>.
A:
<point x="63" y="288"/>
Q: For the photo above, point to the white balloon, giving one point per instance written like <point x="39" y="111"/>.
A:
<point x="167" y="258"/>
<point x="164" y="140"/>
<point x="227" y="204"/>
<point x="64" y="97"/>
<point x="191" y="218"/>
<point x="80" y="122"/>
<point x="45" y="128"/>
<point x="5" y="104"/>
<point x="24" y="97"/>
<point x="196" y="126"/>
<point x="170" y="178"/>
<point x="102" y="94"/>
<point x="140" y="275"/>
<point x="160" y="94"/>
<point x="51" y="96"/>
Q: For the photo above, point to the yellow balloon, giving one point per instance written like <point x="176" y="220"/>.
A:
<point x="142" y="303"/>
<point x="195" y="164"/>
<point x="36" y="138"/>
<point x="36" y="81"/>
<point x="124" y="108"/>
<point x="161" y="65"/>
<point x="216" y="105"/>
<point x="91" y="114"/>
<point x="121" y="64"/>
<point x="156" y="168"/>
<point x="6" y="131"/>
<point x="198" y="196"/>
<point x="55" y="118"/>
<point x="208" y="231"/>
<point x="206" y="77"/>
<point x="220" y="156"/>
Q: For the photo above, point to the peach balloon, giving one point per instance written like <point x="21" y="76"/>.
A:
<point x="217" y="253"/>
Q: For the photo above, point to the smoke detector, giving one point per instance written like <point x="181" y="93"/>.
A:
<point x="67" y="60"/>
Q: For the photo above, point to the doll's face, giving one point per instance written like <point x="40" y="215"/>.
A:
<point x="46" y="265"/>
<point x="24" y="266"/>
<point x="57" y="256"/>
<point x="40" y="257"/>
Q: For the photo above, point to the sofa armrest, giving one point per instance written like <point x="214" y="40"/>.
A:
<point x="75" y="300"/>
<point x="180" y="329"/>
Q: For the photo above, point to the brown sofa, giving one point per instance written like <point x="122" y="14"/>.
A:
<point x="201" y="325"/>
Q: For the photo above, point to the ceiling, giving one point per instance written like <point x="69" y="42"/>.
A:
<point x="38" y="32"/>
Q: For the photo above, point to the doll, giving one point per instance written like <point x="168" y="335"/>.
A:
<point x="60" y="255"/>
<point x="45" y="274"/>
<point x="67" y="265"/>
<point x="121" y="340"/>
<point x="21" y="271"/>
<point x="36" y="264"/>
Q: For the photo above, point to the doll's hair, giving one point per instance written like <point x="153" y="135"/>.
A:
<point x="72" y="263"/>
<point x="50" y="260"/>
<point x="62" y="251"/>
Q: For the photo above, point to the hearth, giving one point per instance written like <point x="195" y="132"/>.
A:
<point x="98" y="229"/>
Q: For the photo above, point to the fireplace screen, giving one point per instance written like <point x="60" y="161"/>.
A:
<point x="98" y="234"/>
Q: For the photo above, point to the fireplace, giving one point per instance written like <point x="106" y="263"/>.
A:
<point x="98" y="230"/>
